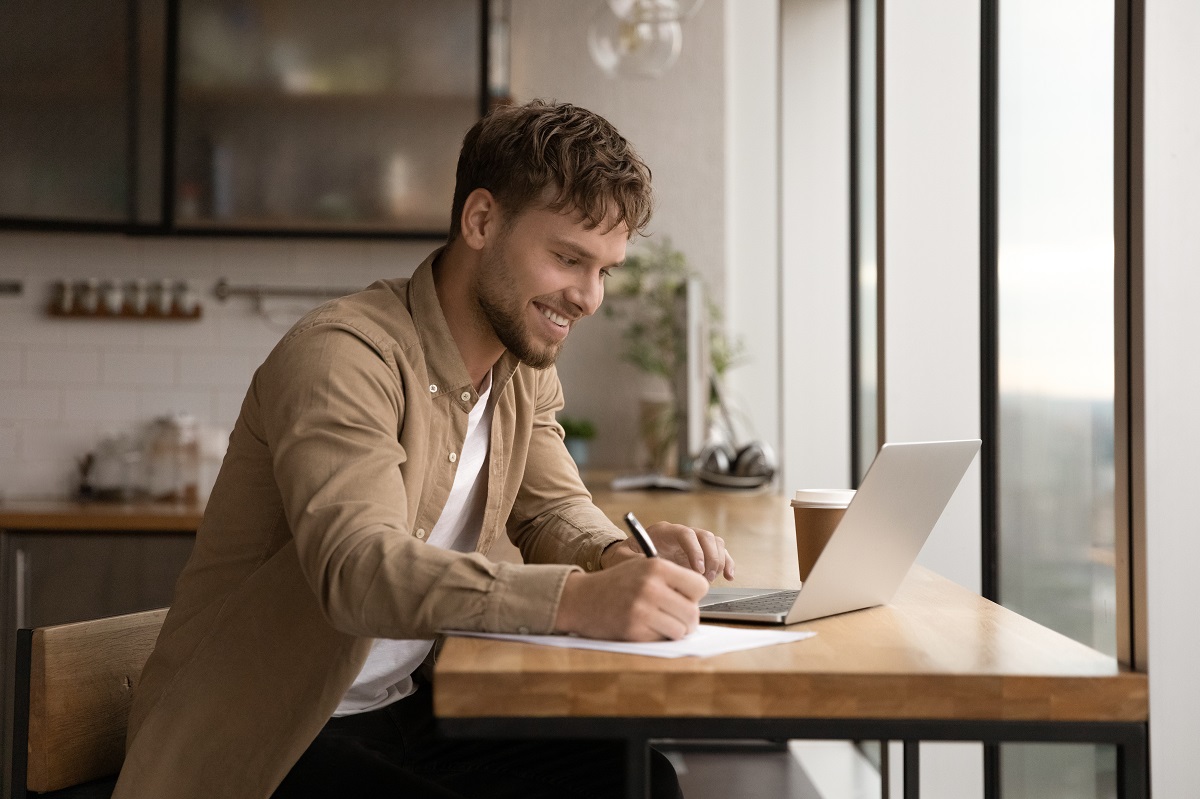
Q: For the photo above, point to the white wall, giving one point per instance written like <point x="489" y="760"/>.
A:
<point x="931" y="284"/>
<point x="753" y="299"/>
<point x="64" y="383"/>
<point x="677" y="124"/>
<point x="931" y="256"/>
<point x="814" y="231"/>
<point x="1172" y="297"/>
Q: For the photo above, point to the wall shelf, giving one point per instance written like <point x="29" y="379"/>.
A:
<point x="128" y="314"/>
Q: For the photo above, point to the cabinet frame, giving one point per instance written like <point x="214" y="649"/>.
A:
<point x="167" y="224"/>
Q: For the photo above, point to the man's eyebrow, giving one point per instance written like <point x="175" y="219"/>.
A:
<point x="579" y="251"/>
<point x="575" y="249"/>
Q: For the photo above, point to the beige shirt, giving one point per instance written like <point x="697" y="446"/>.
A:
<point x="313" y="541"/>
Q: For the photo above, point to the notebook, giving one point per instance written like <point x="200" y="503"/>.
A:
<point x="874" y="545"/>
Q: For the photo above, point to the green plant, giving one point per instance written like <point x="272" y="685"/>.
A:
<point x="575" y="427"/>
<point x="653" y="281"/>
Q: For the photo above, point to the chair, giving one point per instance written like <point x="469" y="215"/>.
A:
<point x="74" y="687"/>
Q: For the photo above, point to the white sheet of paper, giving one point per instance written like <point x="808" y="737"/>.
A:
<point x="707" y="640"/>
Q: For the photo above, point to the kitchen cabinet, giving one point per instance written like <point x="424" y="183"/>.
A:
<point x="75" y="112"/>
<point x="54" y="575"/>
<point x="265" y="117"/>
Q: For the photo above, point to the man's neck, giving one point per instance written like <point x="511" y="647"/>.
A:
<point x="453" y="273"/>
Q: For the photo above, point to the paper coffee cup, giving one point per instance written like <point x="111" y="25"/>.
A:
<point x="818" y="511"/>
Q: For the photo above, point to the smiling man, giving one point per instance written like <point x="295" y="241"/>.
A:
<point x="386" y="442"/>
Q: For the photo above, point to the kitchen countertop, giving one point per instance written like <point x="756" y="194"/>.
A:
<point x="66" y="515"/>
<point x="60" y="515"/>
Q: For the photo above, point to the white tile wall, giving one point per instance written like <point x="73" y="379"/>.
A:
<point x="98" y="404"/>
<point x="130" y="368"/>
<point x="218" y="368"/>
<point x="67" y="383"/>
<point x="8" y="442"/>
<point x="22" y="404"/>
<point x="63" y="365"/>
<point x="10" y="364"/>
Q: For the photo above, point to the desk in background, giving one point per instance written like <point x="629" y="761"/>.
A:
<point x="938" y="663"/>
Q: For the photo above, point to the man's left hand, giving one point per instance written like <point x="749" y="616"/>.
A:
<point x="691" y="547"/>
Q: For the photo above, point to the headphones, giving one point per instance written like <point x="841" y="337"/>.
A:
<point x="749" y="467"/>
<point x="718" y="464"/>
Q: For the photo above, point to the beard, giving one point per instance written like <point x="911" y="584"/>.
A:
<point x="504" y="311"/>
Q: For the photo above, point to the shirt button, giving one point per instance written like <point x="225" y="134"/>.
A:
<point x="523" y="630"/>
<point x="453" y="457"/>
<point x="432" y="388"/>
<point x="420" y="532"/>
<point x="589" y="567"/>
<point x="466" y="396"/>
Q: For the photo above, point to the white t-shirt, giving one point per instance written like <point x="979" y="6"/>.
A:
<point x="386" y="677"/>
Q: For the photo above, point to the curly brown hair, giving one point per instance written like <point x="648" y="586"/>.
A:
<point x="517" y="152"/>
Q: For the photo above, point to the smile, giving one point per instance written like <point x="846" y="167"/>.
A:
<point x="557" y="319"/>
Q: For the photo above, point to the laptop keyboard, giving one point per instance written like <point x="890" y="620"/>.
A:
<point x="771" y="603"/>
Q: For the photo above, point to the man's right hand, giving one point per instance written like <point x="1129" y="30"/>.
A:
<point x="646" y="599"/>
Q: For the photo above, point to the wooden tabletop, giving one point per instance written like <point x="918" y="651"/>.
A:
<point x="938" y="651"/>
<point x="64" y="515"/>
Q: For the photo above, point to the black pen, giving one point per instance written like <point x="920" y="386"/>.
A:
<point x="640" y="535"/>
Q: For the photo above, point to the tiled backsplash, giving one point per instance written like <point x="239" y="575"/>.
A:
<point x="66" y="383"/>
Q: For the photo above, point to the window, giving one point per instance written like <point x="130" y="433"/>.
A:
<point x="1055" y="469"/>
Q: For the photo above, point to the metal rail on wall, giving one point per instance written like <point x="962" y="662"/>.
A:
<point x="224" y="290"/>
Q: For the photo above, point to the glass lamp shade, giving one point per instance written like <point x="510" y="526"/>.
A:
<point x="678" y="10"/>
<point x="644" y="42"/>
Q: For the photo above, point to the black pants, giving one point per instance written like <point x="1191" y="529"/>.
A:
<point x="395" y="752"/>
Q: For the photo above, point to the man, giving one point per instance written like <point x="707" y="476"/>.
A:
<point x="382" y="446"/>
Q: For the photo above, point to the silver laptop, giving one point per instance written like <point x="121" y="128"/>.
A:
<point x="874" y="545"/>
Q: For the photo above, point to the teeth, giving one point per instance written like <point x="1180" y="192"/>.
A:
<point x="555" y="318"/>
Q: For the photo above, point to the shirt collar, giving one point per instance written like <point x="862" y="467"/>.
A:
<point x="443" y="360"/>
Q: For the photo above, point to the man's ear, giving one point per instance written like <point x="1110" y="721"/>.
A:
<point x="481" y="218"/>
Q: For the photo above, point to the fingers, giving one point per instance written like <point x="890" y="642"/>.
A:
<point x="672" y="592"/>
<point x="690" y="585"/>
<point x="714" y="553"/>
<point x="691" y="551"/>
<point x="693" y="547"/>
<point x="644" y="599"/>
<point x="663" y="626"/>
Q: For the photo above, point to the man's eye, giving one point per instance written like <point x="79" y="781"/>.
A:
<point x="606" y="272"/>
<point x="566" y="260"/>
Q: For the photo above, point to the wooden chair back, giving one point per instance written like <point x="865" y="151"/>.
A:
<point x="74" y="687"/>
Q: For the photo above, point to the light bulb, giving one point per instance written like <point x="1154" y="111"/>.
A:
<point x="644" y="42"/>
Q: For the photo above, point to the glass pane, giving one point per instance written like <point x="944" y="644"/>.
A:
<point x="1056" y="280"/>
<point x="866" y="271"/>
<point x="296" y="114"/>
<point x="64" y="111"/>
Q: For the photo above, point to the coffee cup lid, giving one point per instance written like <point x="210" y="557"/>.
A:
<point x="822" y="497"/>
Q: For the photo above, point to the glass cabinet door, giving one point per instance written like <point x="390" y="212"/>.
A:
<point x="305" y="115"/>
<point x="65" y="111"/>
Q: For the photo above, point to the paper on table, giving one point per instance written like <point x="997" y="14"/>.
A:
<point x="706" y="640"/>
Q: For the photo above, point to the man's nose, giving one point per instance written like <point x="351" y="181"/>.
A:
<point x="587" y="294"/>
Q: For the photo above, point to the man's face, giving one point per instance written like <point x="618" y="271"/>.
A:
<point x="541" y="275"/>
